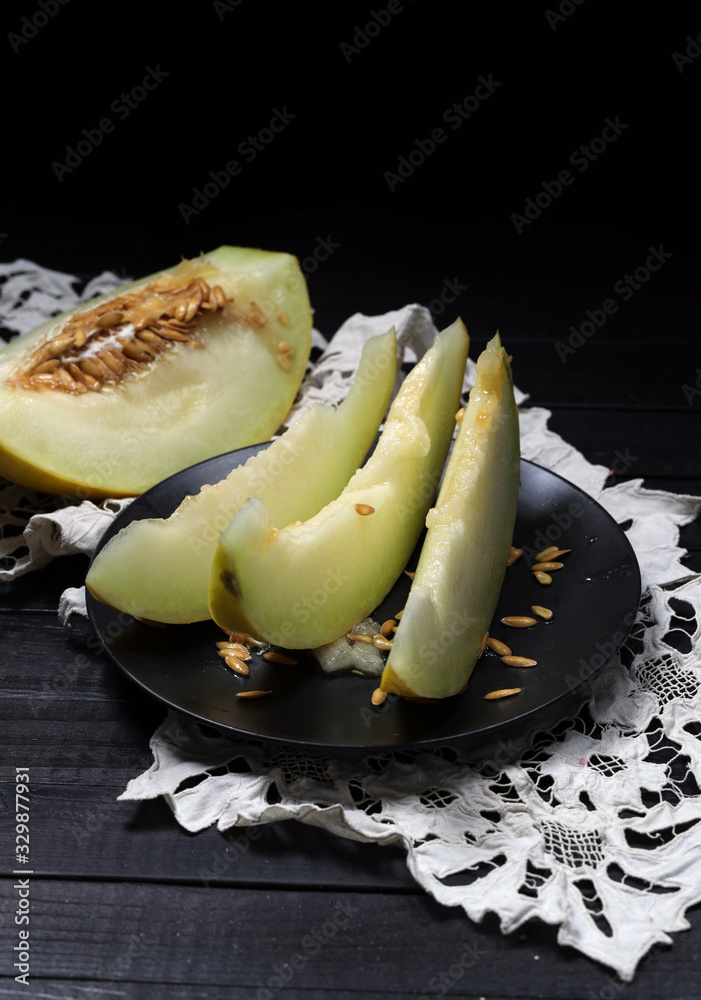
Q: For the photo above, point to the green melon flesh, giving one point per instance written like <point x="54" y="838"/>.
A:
<point x="307" y="584"/>
<point x="159" y="568"/>
<point x="463" y="559"/>
<point x="189" y="405"/>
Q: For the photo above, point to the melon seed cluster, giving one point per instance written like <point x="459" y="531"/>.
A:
<point x="545" y="563"/>
<point x="121" y="337"/>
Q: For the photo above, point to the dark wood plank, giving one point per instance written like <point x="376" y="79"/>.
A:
<point x="80" y="830"/>
<point x="372" y="943"/>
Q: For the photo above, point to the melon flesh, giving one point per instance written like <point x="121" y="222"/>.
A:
<point x="159" y="568"/>
<point x="188" y="405"/>
<point x="305" y="585"/>
<point x="463" y="559"/>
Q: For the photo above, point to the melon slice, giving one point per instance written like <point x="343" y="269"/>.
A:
<point x="307" y="584"/>
<point x="159" y="568"/>
<point x="115" y="395"/>
<point x="463" y="559"/>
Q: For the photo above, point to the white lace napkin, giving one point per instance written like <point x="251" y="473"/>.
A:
<point x="595" y="828"/>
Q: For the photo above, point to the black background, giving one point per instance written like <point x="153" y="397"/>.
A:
<point x="226" y="67"/>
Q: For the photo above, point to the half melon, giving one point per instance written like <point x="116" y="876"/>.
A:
<point x="463" y="559"/>
<point x="159" y="568"/>
<point x="120" y="392"/>
<point x="307" y="584"/>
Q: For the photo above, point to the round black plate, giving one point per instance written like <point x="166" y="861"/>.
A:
<point x="594" y="599"/>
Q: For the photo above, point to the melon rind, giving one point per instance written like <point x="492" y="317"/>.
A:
<point x="159" y="568"/>
<point x="190" y="405"/>
<point x="307" y="584"/>
<point x="463" y="559"/>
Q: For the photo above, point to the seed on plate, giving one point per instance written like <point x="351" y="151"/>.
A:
<point x="547" y="567"/>
<point x="514" y="554"/>
<point x="558" y="552"/>
<point x="380" y="642"/>
<point x="251" y="694"/>
<point x="378" y="696"/>
<point x="542" y="612"/>
<point x="236" y="648"/>
<point x="359" y="638"/>
<point x="519" y="621"/>
<point x="483" y="644"/>
<point x="399" y="614"/>
<point x="546" y="553"/>
<point x="238" y="666"/>
<point x="410" y="573"/>
<point x="543" y="578"/>
<point x="501" y="693"/>
<point x="364" y="509"/>
<point x="518" y="661"/>
<point x="275" y="657"/>
<point x="498" y="647"/>
<point x="388" y="627"/>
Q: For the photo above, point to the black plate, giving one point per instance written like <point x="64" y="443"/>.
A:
<point x="594" y="599"/>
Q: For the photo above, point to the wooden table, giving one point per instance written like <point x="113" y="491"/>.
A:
<point x="125" y="903"/>
<point x="119" y="907"/>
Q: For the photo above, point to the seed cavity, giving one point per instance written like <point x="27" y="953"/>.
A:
<point x="514" y="554"/>
<point x="543" y="578"/>
<point x="378" y="696"/>
<point x="519" y="621"/>
<point x="542" y="612"/>
<point x="498" y="647"/>
<point x="519" y="661"/>
<point x="501" y="693"/>
<point x="121" y="337"/>
<point x="364" y="509"/>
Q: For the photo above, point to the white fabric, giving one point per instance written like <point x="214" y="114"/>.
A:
<point x="615" y="868"/>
